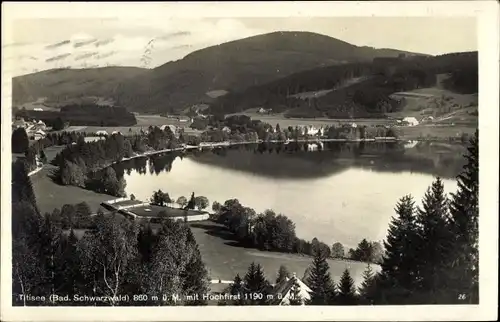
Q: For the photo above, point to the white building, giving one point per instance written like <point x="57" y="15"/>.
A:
<point x="173" y="128"/>
<point x="38" y="135"/>
<point x="283" y="291"/>
<point x="226" y="129"/>
<point x="410" y="120"/>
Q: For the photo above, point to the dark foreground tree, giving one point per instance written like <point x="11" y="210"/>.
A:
<point x="320" y="282"/>
<point x="20" y="141"/>
<point x="283" y="274"/>
<point x="256" y="285"/>
<point x="346" y="290"/>
<point x="464" y="208"/>
<point x="238" y="289"/>
<point x="367" y="291"/>
<point x="399" y="268"/>
<point x="433" y="246"/>
<point x="295" y="297"/>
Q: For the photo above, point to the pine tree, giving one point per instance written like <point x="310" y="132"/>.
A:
<point x="70" y="280"/>
<point x="283" y="274"/>
<point x="346" y="290"/>
<point x="295" y="298"/>
<point x="22" y="188"/>
<point x="191" y="203"/>
<point x="399" y="275"/>
<point x="20" y="141"/>
<point x="195" y="277"/>
<point x="319" y="281"/>
<point x="368" y="287"/>
<point x="434" y="244"/>
<point x="464" y="209"/>
<point x="256" y="284"/>
<point x="50" y="243"/>
<point x="238" y="289"/>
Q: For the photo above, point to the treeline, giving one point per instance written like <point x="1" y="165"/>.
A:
<point x="276" y="232"/>
<point x="241" y="128"/>
<point x="115" y="258"/>
<point x="83" y="114"/>
<point x="255" y="289"/>
<point x="21" y="144"/>
<point x="86" y="164"/>
<point x="359" y="90"/>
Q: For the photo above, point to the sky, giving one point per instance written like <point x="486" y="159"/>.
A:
<point x="40" y="44"/>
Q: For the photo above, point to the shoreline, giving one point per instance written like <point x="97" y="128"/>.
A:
<point x="204" y="145"/>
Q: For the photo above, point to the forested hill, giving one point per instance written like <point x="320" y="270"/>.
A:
<point x="232" y="66"/>
<point x="64" y="83"/>
<point x="354" y="89"/>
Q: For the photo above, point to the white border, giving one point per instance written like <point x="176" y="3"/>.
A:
<point x="488" y="43"/>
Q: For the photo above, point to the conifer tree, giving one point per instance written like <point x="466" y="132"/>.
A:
<point x="191" y="203"/>
<point x="464" y="209"/>
<point x="70" y="280"/>
<point x="256" y="283"/>
<point x="368" y="286"/>
<point x="295" y="297"/>
<point x="195" y="277"/>
<point x="319" y="281"/>
<point x="22" y="188"/>
<point x="283" y="273"/>
<point x="20" y="141"/>
<point x="346" y="290"/>
<point x="399" y="275"/>
<point x="434" y="243"/>
<point x="50" y="250"/>
<point x="238" y="289"/>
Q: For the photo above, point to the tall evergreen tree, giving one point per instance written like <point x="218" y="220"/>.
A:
<point x="70" y="280"/>
<point x="256" y="284"/>
<point x="464" y="209"/>
<point x="319" y="280"/>
<point x="433" y="245"/>
<point x="283" y="273"/>
<point x="399" y="268"/>
<point x="191" y="203"/>
<point x="50" y="250"/>
<point x="195" y="277"/>
<point x="368" y="286"/>
<point x="20" y="141"/>
<point x="238" y="289"/>
<point x="22" y="188"/>
<point x="346" y="290"/>
<point x="295" y="297"/>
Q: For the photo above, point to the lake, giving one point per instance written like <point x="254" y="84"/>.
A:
<point x="338" y="192"/>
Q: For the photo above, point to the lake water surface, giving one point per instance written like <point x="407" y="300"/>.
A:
<point x="344" y="192"/>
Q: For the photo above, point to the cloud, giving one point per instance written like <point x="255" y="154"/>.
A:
<point x="103" y="42"/>
<point x="86" y="55"/>
<point x="57" y="45"/>
<point x="141" y="43"/>
<point x="84" y="43"/>
<point x="58" y="57"/>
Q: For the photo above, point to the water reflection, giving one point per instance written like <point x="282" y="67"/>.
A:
<point x="312" y="160"/>
<point x="335" y="192"/>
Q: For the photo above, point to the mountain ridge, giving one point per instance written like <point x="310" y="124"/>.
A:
<point x="175" y="85"/>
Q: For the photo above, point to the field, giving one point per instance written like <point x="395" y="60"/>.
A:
<point x="50" y="195"/>
<point x="143" y="123"/>
<point x="224" y="260"/>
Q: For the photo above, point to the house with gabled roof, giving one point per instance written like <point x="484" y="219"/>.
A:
<point x="283" y="291"/>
